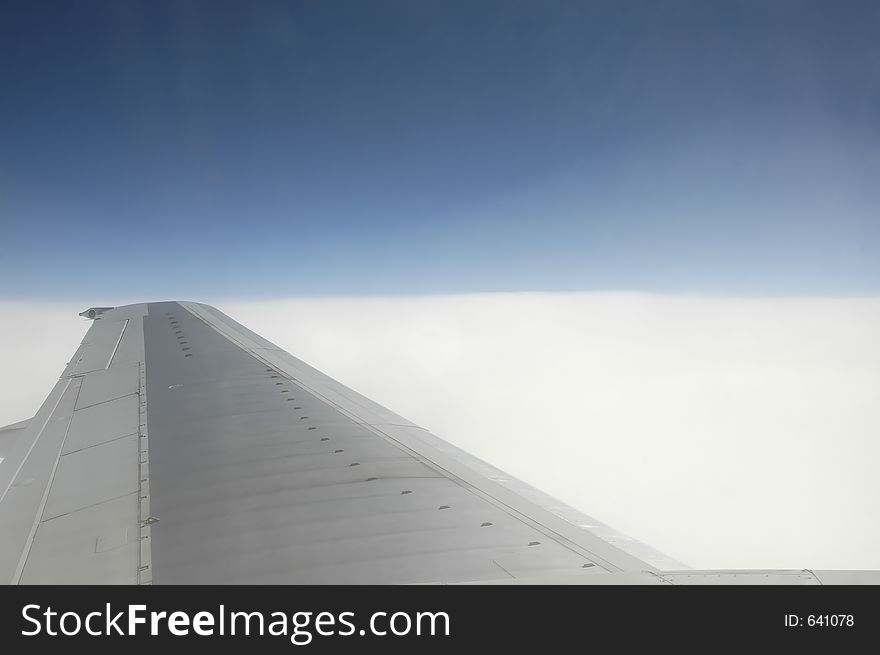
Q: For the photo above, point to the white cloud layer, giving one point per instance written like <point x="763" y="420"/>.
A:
<point x="725" y="432"/>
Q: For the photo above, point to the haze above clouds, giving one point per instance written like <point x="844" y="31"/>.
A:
<point x="725" y="432"/>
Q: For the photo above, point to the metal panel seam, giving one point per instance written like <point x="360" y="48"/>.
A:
<point x="145" y="561"/>
<point x="118" y="341"/>
<point x="22" y="562"/>
<point x="37" y="438"/>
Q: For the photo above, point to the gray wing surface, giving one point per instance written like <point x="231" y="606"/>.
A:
<point x="180" y="447"/>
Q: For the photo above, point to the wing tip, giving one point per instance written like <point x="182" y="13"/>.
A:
<point x="93" y="313"/>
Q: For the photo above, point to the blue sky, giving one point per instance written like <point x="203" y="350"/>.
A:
<point x="270" y="149"/>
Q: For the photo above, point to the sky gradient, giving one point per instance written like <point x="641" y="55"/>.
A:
<point x="275" y="149"/>
<point x="722" y="155"/>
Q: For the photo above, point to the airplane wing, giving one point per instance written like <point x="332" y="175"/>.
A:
<point x="180" y="447"/>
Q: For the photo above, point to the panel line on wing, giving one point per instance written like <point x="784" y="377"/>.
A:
<point x="118" y="341"/>
<point x="103" y="402"/>
<point x="145" y="519"/>
<point x="43" y="501"/>
<point x="35" y="440"/>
